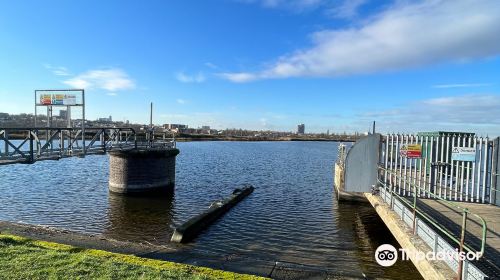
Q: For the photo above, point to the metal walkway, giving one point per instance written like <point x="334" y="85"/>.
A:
<point x="28" y="145"/>
<point x="448" y="201"/>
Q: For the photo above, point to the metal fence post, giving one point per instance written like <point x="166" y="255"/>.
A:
<point x="6" y="141"/>
<point x="462" y="240"/>
<point x="32" y="156"/>
<point x="414" y="208"/>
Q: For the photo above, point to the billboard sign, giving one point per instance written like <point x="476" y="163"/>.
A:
<point x="45" y="99"/>
<point x="463" y="154"/>
<point x="411" y="151"/>
<point x="60" y="98"/>
<point x="69" y="99"/>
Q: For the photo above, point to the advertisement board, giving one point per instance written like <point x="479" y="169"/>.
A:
<point x="58" y="99"/>
<point x="45" y="99"/>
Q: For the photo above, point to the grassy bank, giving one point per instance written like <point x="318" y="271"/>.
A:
<point x="22" y="258"/>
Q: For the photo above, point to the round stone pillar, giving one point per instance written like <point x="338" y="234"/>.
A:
<point x="142" y="171"/>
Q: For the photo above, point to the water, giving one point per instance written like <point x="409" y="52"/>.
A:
<point x="291" y="216"/>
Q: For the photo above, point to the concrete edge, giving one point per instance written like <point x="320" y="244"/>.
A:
<point x="343" y="196"/>
<point x="404" y="235"/>
<point x="141" y="153"/>
<point x="171" y="252"/>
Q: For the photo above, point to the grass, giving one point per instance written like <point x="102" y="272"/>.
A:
<point x="22" y="258"/>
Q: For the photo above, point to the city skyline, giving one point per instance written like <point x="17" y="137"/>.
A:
<point x="262" y="65"/>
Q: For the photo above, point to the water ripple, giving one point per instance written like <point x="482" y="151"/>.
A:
<point x="292" y="215"/>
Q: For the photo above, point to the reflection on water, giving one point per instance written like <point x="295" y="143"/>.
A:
<point x="147" y="217"/>
<point x="369" y="233"/>
<point x="291" y="216"/>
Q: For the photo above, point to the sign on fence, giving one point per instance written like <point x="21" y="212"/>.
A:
<point x="411" y="151"/>
<point x="463" y="154"/>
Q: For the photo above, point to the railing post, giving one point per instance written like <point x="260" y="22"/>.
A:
<point x="61" y="143"/>
<point x="392" y="194"/>
<point x="414" y="208"/>
<point x="32" y="156"/>
<point x="103" y="140"/>
<point x="462" y="241"/>
<point x="135" y="140"/>
<point x="6" y="137"/>
<point x="433" y="178"/>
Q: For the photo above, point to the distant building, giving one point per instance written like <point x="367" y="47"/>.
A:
<point x="171" y="126"/>
<point x="110" y="119"/>
<point x="63" y="114"/>
<point x="301" y="129"/>
<point x="205" y="129"/>
<point x="174" y="127"/>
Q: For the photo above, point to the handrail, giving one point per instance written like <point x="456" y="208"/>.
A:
<point x="464" y="211"/>
<point x="60" y="142"/>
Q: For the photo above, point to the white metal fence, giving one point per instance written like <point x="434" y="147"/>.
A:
<point x="455" y="167"/>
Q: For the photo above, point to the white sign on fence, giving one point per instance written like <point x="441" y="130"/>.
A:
<point x="463" y="154"/>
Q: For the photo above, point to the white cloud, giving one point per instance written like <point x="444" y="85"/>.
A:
<point x="211" y="65"/>
<point x="461" y="85"/>
<point x="296" y="5"/>
<point x="113" y="79"/>
<point x="112" y="94"/>
<point x="473" y="112"/>
<point x="403" y="36"/>
<point x="184" y="78"/>
<point x="239" y="77"/>
<point x="347" y="9"/>
<point x="57" y="70"/>
<point x="181" y="101"/>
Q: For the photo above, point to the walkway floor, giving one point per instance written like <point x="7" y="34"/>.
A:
<point x="451" y="218"/>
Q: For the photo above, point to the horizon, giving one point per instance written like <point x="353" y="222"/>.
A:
<point x="261" y="64"/>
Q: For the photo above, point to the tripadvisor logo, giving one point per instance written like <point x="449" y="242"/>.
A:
<point x="387" y="255"/>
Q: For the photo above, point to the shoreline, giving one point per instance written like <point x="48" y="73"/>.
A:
<point x="230" y="139"/>
<point x="170" y="252"/>
<point x="39" y="259"/>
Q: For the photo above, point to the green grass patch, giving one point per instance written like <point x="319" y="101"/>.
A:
<point x="22" y="258"/>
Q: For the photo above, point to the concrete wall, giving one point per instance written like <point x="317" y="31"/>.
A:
<point x="361" y="164"/>
<point x="142" y="171"/>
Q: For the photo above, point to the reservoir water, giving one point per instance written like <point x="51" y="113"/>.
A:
<point x="292" y="216"/>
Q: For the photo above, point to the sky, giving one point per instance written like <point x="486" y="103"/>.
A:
<point x="333" y="65"/>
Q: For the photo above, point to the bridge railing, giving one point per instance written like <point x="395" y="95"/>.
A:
<point x="27" y="145"/>
<point x="418" y="218"/>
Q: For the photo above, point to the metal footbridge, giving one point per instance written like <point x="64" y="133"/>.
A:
<point x="29" y="145"/>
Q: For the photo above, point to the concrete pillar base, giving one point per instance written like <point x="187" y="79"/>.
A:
<point x="142" y="171"/>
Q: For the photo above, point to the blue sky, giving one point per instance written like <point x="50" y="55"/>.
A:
<point x="262" y="64"/>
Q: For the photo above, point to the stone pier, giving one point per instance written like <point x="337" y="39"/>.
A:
<point x="142" y="171"/>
